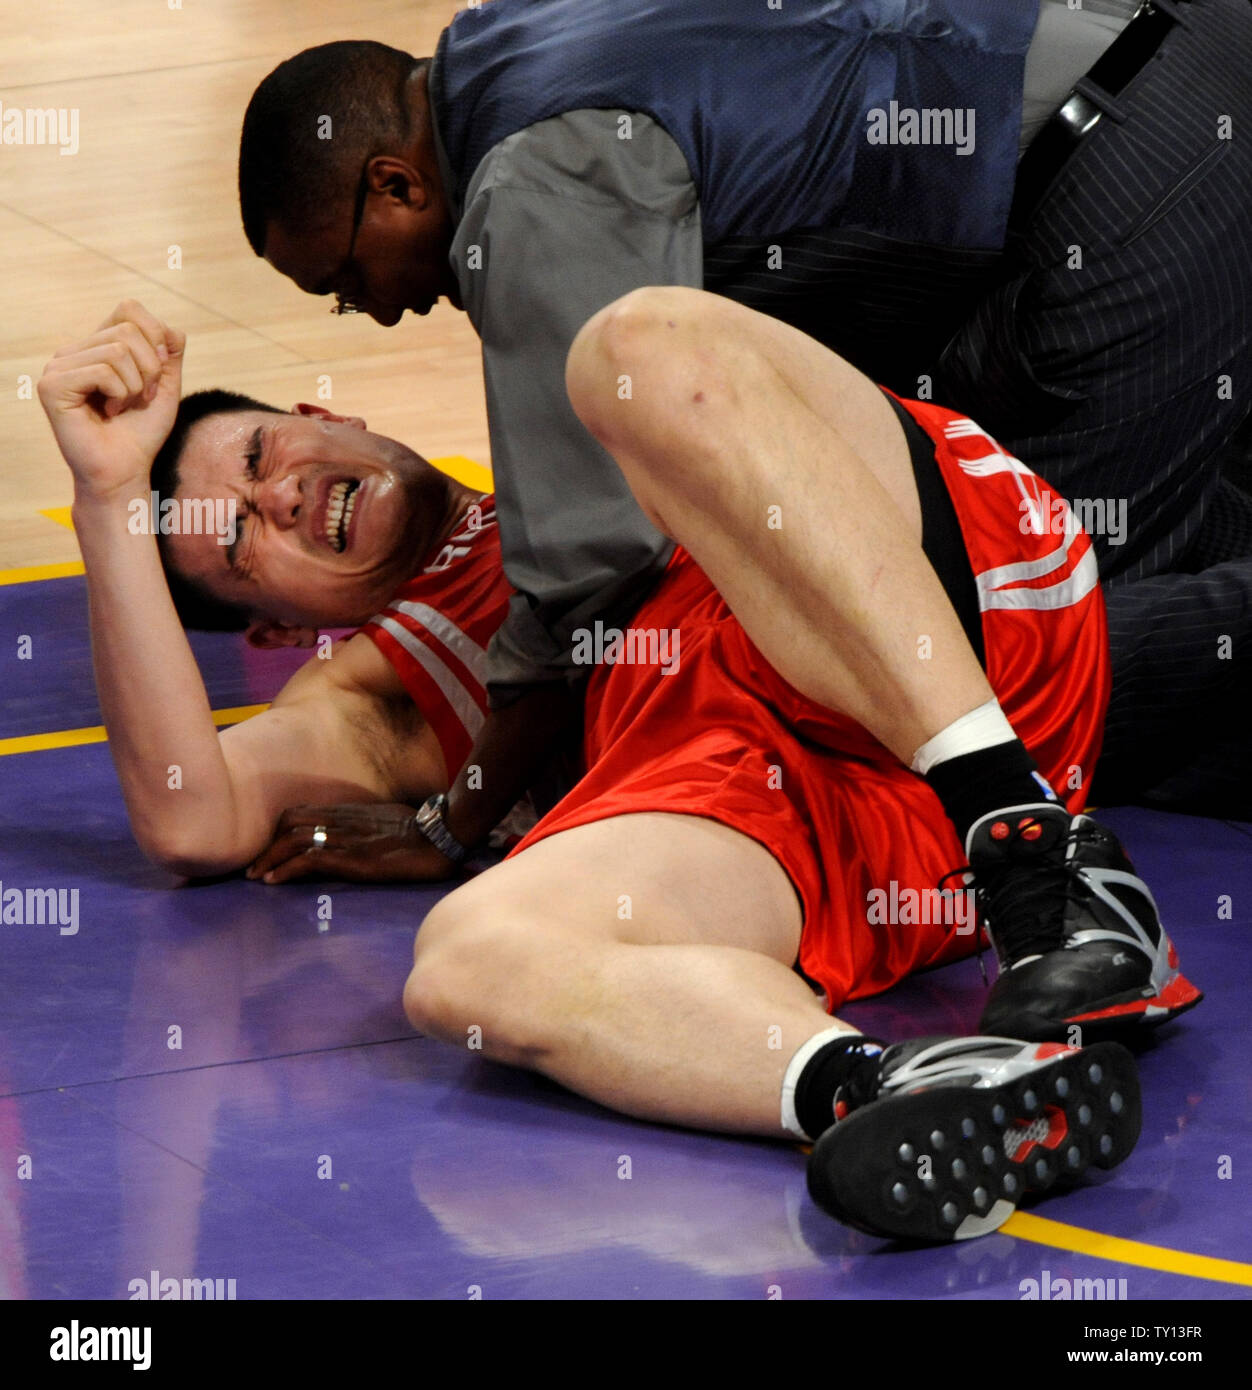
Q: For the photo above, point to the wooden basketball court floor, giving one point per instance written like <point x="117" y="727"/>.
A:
<point x="301" y="1141"/>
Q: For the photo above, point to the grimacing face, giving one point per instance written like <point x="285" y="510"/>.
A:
<point x="329" y="518"/>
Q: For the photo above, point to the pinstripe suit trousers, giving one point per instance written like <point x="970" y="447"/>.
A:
<point x="1116" y="360"/>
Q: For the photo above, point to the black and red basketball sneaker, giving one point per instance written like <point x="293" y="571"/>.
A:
<point x="939" y="1138"/>
<point x="1077" y="934"/>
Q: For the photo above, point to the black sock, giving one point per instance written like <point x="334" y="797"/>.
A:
<point x="830" y="1067"/>
<point x="974" y="784"/>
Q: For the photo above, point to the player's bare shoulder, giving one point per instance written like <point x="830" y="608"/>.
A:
<point x="353" y="667"/>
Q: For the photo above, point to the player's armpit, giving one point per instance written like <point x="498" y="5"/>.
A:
<point x="389" y="728"/>
<point x="342" y="730"/>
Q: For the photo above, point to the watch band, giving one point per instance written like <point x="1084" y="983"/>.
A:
<point x="430" y="822"/>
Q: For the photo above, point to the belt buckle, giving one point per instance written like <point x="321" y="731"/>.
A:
<point x="1079" y="115"/>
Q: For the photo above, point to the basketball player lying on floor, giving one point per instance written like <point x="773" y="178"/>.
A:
<point x="644" y="943"/>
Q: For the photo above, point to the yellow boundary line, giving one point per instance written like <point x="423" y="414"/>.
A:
<point x="31" y="574"/>
<point x="1042" y="1230"/>
<point x="73" y="738"/>
<point x="467" y="471"/>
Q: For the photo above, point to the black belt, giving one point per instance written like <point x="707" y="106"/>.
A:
<point x="1091" y="101"/>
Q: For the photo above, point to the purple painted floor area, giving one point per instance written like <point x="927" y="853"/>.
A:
<point x="301" y="1141"/>
<point x="53" y="688"/>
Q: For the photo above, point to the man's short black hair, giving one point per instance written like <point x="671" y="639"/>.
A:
<point x="195" y="606"/>
<point x="312" y="125"/>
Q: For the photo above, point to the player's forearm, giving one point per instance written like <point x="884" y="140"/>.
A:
<point x="513" y="746"/>
<point x="174" y="776"/>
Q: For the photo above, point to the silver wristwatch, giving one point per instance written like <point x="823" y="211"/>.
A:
<point x="430" y="821"/>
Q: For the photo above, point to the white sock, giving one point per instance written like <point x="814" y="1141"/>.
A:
<point x="790" y="1120"/>
<point x="984" y="727"/>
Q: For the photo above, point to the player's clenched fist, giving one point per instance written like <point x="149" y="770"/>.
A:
<point x="112" y="398"/>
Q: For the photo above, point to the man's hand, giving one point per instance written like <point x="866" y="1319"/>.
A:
<point x="365" y="843"/>
<point x="112" y="398"/>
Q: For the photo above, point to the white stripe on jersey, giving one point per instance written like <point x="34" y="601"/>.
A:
<point x="462" y="702"/>
<point x="1021" y="570"/>
<point x="460" y="644"/>
<point x="988" y="465"/>
<point x="991" y="593"/>
<point x="1030" y="487"/>
<point x="1084" y="577"/>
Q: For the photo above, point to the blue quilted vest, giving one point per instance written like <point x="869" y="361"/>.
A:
<point x="848" y="115"/>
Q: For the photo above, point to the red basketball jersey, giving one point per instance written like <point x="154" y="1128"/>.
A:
<point x="436" y="629"/>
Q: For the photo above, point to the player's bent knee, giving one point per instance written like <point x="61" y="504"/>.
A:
<point x="467" y="980"/>
<point x="634" y="341"/>
<point x="442" y="922"/>
<point x="432" y="1001"/>
<point x="442" y="1001"/>
<point x="629" y="326"/>
<point x="422" y="1006"/>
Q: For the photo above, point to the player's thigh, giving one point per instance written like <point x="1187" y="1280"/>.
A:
<point x="646" y="879"/>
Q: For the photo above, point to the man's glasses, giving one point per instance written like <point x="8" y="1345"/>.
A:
<point x="346" y="303"/>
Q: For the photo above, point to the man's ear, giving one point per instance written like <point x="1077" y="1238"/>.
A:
<point x="304" y="408"/>
<point x="267" y="636"/>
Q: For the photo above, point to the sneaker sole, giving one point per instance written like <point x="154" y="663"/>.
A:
<point x="932" y="1165"/>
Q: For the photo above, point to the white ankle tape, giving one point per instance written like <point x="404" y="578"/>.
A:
<point x="984" y="727"/>
<point x="790" y="1120"/>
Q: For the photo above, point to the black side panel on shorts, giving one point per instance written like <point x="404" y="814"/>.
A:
<point x="941" y="532"/>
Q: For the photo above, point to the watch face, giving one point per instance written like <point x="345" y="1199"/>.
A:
<point x="429" y="821"/>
